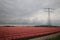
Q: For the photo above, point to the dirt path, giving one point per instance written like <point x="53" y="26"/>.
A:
<point x="47" y="37"/>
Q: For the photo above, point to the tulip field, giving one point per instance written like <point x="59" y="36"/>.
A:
<point x="9" y="33"/>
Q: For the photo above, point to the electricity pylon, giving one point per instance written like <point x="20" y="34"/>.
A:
<point x="49" y="11"/>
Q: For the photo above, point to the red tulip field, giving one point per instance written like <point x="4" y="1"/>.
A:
<point x="8" y="33"/>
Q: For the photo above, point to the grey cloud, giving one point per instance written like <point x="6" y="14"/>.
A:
<point x="14" y="11"/>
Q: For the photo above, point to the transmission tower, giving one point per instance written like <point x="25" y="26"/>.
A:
<point x="49" y="10"/>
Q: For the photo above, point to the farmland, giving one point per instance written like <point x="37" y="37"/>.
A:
<point x="8" y="33"/>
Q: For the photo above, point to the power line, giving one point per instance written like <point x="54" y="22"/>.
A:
<point x="49" y="11"/>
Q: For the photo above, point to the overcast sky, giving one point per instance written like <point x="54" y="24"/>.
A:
<point x="29" y="12"/>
